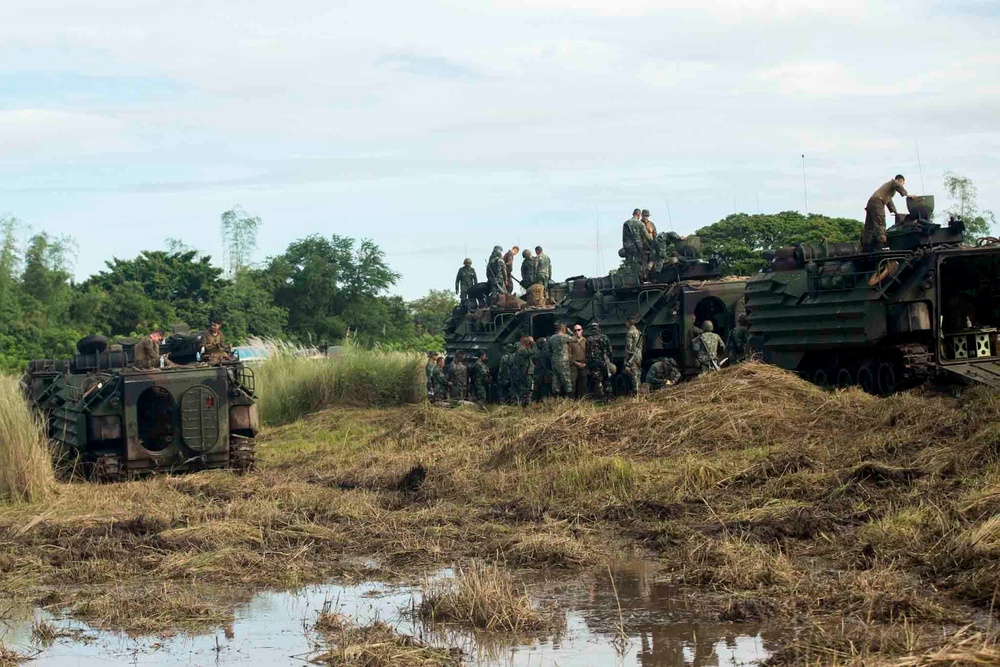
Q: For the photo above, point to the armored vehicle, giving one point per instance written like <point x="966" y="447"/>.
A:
<point x="928" y="305"/>
<point x="109" y="420"/>
<point x="668" y="304"/>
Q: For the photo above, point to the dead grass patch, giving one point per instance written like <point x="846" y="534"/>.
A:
<point x="345" y="643"/>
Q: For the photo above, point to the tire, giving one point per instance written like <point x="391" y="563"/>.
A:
<point x="866" y="379"/>
<point x="820" y="378"/>
<point x="888" y="378"/>
<point x="844" y="378"/>
<point x="92" y="344"/>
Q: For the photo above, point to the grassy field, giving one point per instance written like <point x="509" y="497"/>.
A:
<point x="25" y="464"/>
<point x="874" y="522"/>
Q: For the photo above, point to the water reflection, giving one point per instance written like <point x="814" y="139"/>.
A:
<point x="661" y="625"/>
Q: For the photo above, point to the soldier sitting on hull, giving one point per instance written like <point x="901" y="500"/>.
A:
<point x="147" y="351"/>
<point x="214" y="348"/>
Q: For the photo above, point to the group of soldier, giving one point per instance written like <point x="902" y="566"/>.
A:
<point x="571" y="365"/>
<point x="214" y="348"/>
<point x="536" y="272"/>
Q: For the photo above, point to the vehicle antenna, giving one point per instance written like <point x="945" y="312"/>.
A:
<point x="598" y="265"/>
<point x="670" y="218"/>
<point x="919" y="166"/>
<point x="805" y="196"/>
<point x="756" y="198"/>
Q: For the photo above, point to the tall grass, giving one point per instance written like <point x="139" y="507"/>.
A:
<point x="25" y="464"/>
<point x="291" y="382"/>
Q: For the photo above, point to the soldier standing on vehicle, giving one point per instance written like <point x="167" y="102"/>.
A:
<point x="529" y="265"/>
<point x="458" y="377"/>
<point x="710" y="348"/>
<point x="496" y="275"/>
<point x="465" y="280"/>
<point x="873" y="237"/>
<point x="633" y="356"/>
<point x="635" y="244"/>
<point x="215" y="350"/>
<point x="522" y="371"/>
<point x="508" y="260"/>
<point x="543" y="370"/>
<point x="480" y="376"/>
<point x="578" y="362"/>
<point x="598" y="360"/>
<point x="559" y="350"/>
<point x="543" y="269"/>
<point x="147" y="351"/>
<point x="736" y="344"/>
<point x="663" y="373"/>
<point x="648" y="224"/>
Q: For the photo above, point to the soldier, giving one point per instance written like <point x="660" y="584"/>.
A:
<point x="528" y="266"/>
<point x="147" y="351"/>
<point x="522" y="371"/>
<point x="508" y="260"/>
<point x="635" y="244"/>
<point x="543" y="269"/>
<point x="458" y="377"/>
<point x="598" y="360"/>
<point x="578" y="362"/>
<point x="429" y="369"/>
<point x="440" y="380"/>
<point x="633" y="356"/>
<point x="465" y="280"/>
<point x="648" y="224"/>
<point x="543" y="370"/>
<point x="873" y="236"/>
<point x="710" y="348"/>
<point x="214" y="348"/>
<point x="503" y="375"/>
<point x="496" y="275"/>
<point x="736" y="344"/>
<point x="559" y="350"/>
<point x="480" y="376"/>
<point x="663" y="373"/>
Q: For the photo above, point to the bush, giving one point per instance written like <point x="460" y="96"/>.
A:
<point x="293" y="382"/>
<point x="25" y="464"/>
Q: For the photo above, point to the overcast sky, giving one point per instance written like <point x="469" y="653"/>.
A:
<point x="439" y="129"/>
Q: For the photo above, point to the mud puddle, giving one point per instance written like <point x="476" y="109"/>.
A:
<point x="661" y="628"/>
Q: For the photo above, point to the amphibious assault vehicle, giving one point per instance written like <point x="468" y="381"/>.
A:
<point x="668" y="303"/>
<point x="929" y="305"/>
<point x="108" y="420"/>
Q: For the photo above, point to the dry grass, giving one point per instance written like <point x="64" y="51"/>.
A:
<point x="775" y="498"/>
<point x="11" y="658"/>
<point x="485" y="597"/>
<point x="376" y="644"/>
<point x="25" y="463"/>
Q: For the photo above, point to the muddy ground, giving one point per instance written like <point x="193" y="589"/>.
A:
<point x="870" y="526"/>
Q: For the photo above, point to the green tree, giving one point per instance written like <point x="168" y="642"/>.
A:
<point x="246" y="309"/>
<point x="330" y="285"/>
<point x="739" y="239"/>
<point x="964" y="195"/>
<point x="155" y="288"/>
<point x="239" y="239"/>
<point x="430" y="312"/>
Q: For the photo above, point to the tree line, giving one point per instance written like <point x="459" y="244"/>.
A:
<point x="316" y="291"/>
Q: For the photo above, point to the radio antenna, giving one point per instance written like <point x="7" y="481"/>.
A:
<point x="919" y="166"/>
<point x="805" y="195"/>
<point x="670" y="218"/>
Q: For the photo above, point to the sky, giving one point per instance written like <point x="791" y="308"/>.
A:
<point x="439" y="129"/>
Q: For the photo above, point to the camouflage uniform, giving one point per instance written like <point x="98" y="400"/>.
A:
<point x="736" y="345"/>
<point x="663" y="372"/>
<point x="480" y="376"/>
<point x="215" y="347"/>
<point x="708" y="346"/>
<point x="429" y="373"/>
<point x="598" y="353"/>
<point x="543" y="270"/>
<point x="543" y="370"/>
<point x="559" y="350"/>
<point x="440" y="383"/>
<point x="508" y="262"/>
<point x="496" y="276"/>
<point x="635" y="243"/>
<point x="503" y="376"/>
<point x="528" y="266"/>
<point x="458" y="380"/>
<point x="465" y="280"/>
<point x="520" y="375"/>
<point x="147" y="354"/>
<point x="633" y="358"/>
